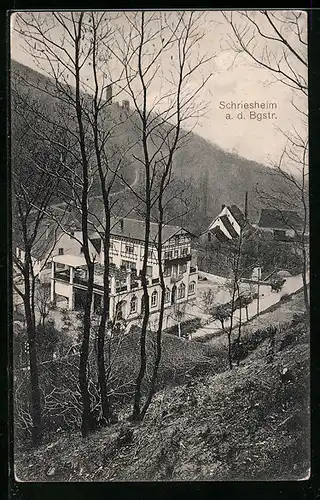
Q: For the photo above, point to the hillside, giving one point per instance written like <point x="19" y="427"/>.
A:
<point x="211" y="175"/>
<point x="251" y="423"/>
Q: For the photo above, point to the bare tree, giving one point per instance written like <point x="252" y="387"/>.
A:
<point x="147" y="43"/>
<point x="277" y="42"/>
<point x="42" y="301"/>
<point x="33" y="190"/>
<point x="65" y="62"/>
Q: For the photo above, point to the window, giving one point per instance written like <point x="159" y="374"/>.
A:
<point x="60" y="251"/>
<point x="129" y="248"/>
<point x="181" y="291"/>
<point x="176" y="253"/>
<point x="185" y="251"/>
<point x="154" y="299"/>
<point x="149" y="270"/>
<point x="168" y="255"/>
<point x="183" y="268"/>
<point x="167" y="296"/>
<point x="174" y="271"/>
<point x="133" y="305"/>
<point x="128" y="265"/>
<point x="167" y="271"/>
<point x="192" y="288"/>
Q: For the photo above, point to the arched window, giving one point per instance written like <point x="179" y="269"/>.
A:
<point x="181" y="291"/>
<point x="167" y="296"/>
<point x="120" y="310"/>
<point x="133" y="305"/>
<point x="192" y="288"/>
<point x="154" y="299"/>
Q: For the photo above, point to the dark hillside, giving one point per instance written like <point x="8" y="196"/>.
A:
<point x="211" y="175"/>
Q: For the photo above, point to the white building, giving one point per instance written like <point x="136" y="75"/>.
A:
<point x="69" y="270"/>
<point x="226" y="225"/>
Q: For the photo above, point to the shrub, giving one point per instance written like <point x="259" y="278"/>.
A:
<point x="285" y="297"/>
<point x="188" y="326"/>
<point x="248" y="344"/>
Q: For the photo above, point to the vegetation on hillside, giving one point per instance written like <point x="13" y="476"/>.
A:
<point x="251" y="423"/>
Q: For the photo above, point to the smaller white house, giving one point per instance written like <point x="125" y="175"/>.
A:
<point x="226" y="225"/>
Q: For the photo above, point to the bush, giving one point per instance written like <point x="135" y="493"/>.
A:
<point x="241" y="350"/>
<point x="285" y="297"/>
<point x="188" y="326"/>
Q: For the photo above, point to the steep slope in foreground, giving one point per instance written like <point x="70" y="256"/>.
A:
<point x="251" y="423"/>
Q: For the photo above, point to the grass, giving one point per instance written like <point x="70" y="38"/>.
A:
<point x="251" y="423"/>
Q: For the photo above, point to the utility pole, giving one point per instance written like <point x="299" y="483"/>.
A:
<point x="246" y="206"/>
<point x="258" y="298"/>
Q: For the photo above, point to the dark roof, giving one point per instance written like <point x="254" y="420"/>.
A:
<point x="216" y="231"/>
<point x="229" y="227"/>
<point x="280" y="219"/>
<point x="237" y="214"/>
<point x="135" y="229"/>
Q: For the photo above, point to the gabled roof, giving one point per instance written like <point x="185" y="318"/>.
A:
<point x="280" y="219"/>
<point x="229" y="227"/>
<point x="135" y="229"/>
<point x="220" y="235"/>
<point x="237" y="214"/>
<point x="47" y="235"/>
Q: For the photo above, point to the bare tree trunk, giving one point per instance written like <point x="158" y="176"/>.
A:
<point x="87" y="418"/>
<point x="36" y="412"/>
<point x="144" y="280"/>
<point x="153" y="382"/>
<point x="239" y="327"/>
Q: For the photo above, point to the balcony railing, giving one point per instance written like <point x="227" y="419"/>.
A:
<point x="178" y="260"/>
<point x="62" y="276"/>
<point x="128" y="255"/>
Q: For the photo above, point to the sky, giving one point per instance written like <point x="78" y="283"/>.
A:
<point x="240" y="81"/>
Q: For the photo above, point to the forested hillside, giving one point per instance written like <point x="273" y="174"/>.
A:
<point x="210" y="175"/>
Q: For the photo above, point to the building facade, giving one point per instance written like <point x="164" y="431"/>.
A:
<point x="69" y="271"/>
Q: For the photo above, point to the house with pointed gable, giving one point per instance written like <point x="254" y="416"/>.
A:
<point x="226" y="226"/>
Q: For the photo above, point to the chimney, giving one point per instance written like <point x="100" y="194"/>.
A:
<point x="222" y="207"/>
<point x="47" y="231"/>
<point x="121" y="225"/>
<point x="109" y="94"/>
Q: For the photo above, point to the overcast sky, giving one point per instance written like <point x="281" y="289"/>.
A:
<point x="257" y="140"/>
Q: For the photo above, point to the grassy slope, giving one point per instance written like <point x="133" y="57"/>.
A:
<point x="248" y="423"/>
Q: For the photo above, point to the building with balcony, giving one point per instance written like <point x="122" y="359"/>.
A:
<point x="69" y="270"/>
